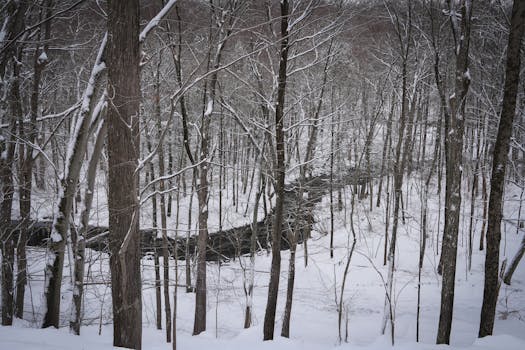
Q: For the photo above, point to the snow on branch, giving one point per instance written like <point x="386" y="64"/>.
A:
<point x="156" y="20"/>
<point x="64" y="113"/>
<point x="164" y="178"/>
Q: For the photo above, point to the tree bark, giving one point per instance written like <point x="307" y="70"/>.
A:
<point x="80" y="244"/>
<point x="7" y="151"/>
<point x="273" y="288"/>
<point x="499" y="163"/>
<point x="453" y="151"/>
<point x="14" y="24"/>
<point x="158" y="293"/>
<point x="123" y="150"/>
<point x="60" y="229"/>
<point x="27" y="161"/>
<point x="163" y="219"/>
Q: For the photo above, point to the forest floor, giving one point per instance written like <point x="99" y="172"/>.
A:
<point x="314" y="323"/>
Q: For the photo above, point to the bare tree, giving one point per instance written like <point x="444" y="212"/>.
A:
<point x="61" y="222"/>
<point x="123" y="60"/>
<point x="273" y="288"/>
<point x="28" y="131"/>
<point x="454" y="127"/>
<point x="14" y="25"/>
<point x="499" y="165"/>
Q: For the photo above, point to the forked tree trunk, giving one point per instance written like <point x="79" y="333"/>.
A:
<point x="80" y="244"/>
<point x="60" y="228"/>
<point x="273" y="288"/>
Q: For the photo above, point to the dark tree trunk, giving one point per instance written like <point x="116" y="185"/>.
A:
<point x="156" y="248"/>
<point x="15" y="23"/>
<point x="80" y="243"/>
<point x="202" y="239"/>
<point x="387" y="140"/>
<point x="7" y="148"/>
<point x="273" y="288"/>
<point x="453" y="151"/>
<point x="26" y="166"/>
<point x="60" y="228"/>
<point x="123" y="148"/>
<point x="499" y="163"/>
<point x="163" y="219"/>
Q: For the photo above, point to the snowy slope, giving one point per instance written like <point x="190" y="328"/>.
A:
<point x="314" y="315"/>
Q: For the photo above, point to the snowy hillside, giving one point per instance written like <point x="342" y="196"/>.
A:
<point x="314" y="323"/>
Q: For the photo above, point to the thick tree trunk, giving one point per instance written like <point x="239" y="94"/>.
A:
<point x="123" y="148"/>
<point x="14" y="23"/>
<point x="273" y="288"/>
<point x="60" y="228"/>
<point x="26" y="164"/>
<point x="499" y="163"/>
<point x="7" y="150"/>
<point x="80" y="244"/>
<point x="7" y="153"/>
<point x="453" y="151"/>
<point x="202" y="239"/>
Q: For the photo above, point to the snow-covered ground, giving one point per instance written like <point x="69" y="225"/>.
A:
<point x="314" y="322"/>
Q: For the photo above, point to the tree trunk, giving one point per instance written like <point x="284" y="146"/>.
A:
<point x="499" y="163"/>
<point x="453" y="150"/>
<point x="399" y="168"/>
<point x="285" y="332"/>
<point x="156" y="262"/>
<point x="14" y="23"/>
<point x="7" y="150"/>
<point x="253" y="245"/>
<point x="273" y="288"/>
<point x="384" y="158"/>
<point x="60" y="228"/>
<point x="27" y="161"/>
<point x="514" y="262"/>
<point x="163" y="209"/>
<point x="123" y="148"/>
<point x="80" y="244"/>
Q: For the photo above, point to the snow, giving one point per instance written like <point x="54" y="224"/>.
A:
<point x="209" y="108"/>
<point x="55" y="237"/>
<point x="467" y="75"/>
<point x="3" y="30"/>
<point x="314" y="314"/>
<point x="22" y="338"/>
<point x="155" y="20"/>
<point x="42" y="58"/>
